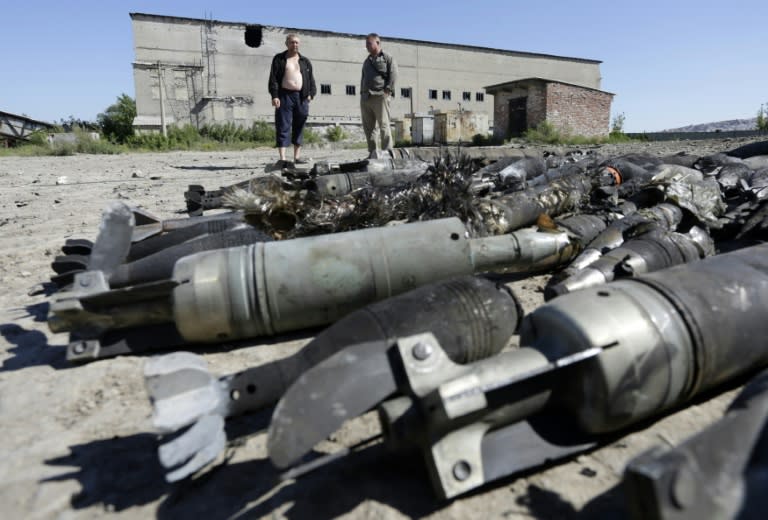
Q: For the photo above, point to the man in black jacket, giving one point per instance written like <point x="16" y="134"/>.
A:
<point x="292" y="87"/>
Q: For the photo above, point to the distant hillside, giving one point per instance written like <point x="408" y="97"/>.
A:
<point x="722" y="126"/>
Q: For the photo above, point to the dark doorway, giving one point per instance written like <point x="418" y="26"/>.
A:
<point x="518" y="117"/>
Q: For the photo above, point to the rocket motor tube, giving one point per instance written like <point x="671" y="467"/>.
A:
<point x="339" y="184"/>
<point x="160" y="265"/>
<point x="273" y="287"/>
<point x="674" y="334"/>
<point x="176" y="236"/>
<point x="471" y="315"/>
<point x="650" y="252"/>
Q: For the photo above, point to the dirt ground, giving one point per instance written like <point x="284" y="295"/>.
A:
<point x="76" y="441"/>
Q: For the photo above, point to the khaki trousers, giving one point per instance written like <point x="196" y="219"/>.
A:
<point x="375" y="109"/>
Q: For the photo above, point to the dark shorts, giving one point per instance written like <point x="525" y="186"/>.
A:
<point x="290" y="118"/>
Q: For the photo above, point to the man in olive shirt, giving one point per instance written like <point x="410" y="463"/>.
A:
<point x="292" y="87"/>
<point x="376" y="88"/>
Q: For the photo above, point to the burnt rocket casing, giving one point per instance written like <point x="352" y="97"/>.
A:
<point x="648" y="252"/>
<point x="377" y="173"/>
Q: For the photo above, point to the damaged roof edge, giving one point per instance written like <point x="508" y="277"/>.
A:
<point x="146" y="16"/>
<point x="500" y="87"/>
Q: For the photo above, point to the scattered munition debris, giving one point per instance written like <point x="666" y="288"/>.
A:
<point x="657" y="293"/>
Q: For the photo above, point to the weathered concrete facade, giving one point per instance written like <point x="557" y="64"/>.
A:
<point x="204" y="72"/>
<point x="571" y="109"/>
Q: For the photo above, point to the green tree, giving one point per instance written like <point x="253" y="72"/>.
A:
<point x="762" y="119"/>
<point x="617" y="125"/>
<point x="116" y="121"/>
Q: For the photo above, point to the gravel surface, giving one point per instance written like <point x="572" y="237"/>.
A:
<point x="77" y="442"/>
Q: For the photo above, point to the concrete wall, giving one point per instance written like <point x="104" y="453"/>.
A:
<point x="208" y="74"/>
<point x="453" y="126"/>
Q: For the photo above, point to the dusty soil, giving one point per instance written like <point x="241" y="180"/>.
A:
<point x="76" y="441"/>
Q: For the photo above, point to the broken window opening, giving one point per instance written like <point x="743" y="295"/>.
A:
<point x="432" y="94"/>
<point x="351" y="91"/>
<point x="466" y="96"/>
<point x="405" y="92"/>
<point x="479" y="96"/>
<point x="447" y="95"/>
<point x="325" y="88"/>
<point x="253" y="35"/>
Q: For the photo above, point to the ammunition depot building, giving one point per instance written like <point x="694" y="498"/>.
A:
<point x="202" y="72"/>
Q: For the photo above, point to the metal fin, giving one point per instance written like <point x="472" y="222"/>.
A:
<point x="114" y="240"/>
<point x="342" y="387"/>
<point x="181" y="389"/>
<point x="193" y="449"/>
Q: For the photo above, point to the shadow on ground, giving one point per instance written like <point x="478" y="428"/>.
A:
<point x="543" y="503"/>
<point x="117" y="473"/>
<point x="30" y="349"/>
<point x="124" y="472"/>
<point x="252" y="489"/>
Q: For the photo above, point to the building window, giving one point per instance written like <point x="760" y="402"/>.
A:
<point x="447" y="95"/>
<point x="479" y="96"/>
<point x="432" y="94"/>
<point x="405" y="92"/>
<point x="467" y="96"/>
<point x="325" y="88"/>
<point x="350" y="90"/>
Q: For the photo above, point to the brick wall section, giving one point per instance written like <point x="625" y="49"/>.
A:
<point x="577" y="111"/>
<point x="569" y="108"/>
<point x="501" y="111"/>
<point x="537" y="104"/>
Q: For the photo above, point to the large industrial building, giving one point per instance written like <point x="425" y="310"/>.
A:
<point x="198" y="71"/>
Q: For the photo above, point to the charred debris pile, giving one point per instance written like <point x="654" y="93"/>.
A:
<point x="658" y="291"/>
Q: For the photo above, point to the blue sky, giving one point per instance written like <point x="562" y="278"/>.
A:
<point x="670" y="63"/>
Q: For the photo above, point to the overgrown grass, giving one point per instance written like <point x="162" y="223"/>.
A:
<point x="228" y="136"/>
<point x="546" y="133"/>
<point x="335" y="134"/>
<point x="82" y="143"/>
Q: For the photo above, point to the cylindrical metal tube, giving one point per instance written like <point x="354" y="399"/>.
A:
<point x="292" y="284"/>
<point x="339" y="184"/>
<point x="673" y="334"/>
<point x="522" y="208"/>
<point x="534" y="250"/>
<point x="647" y="253"/>
<point x="160" y="265"/>
<point x="471" y="316"/>
<point x="664" y="215"/>
<point x="177" y="235"/>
